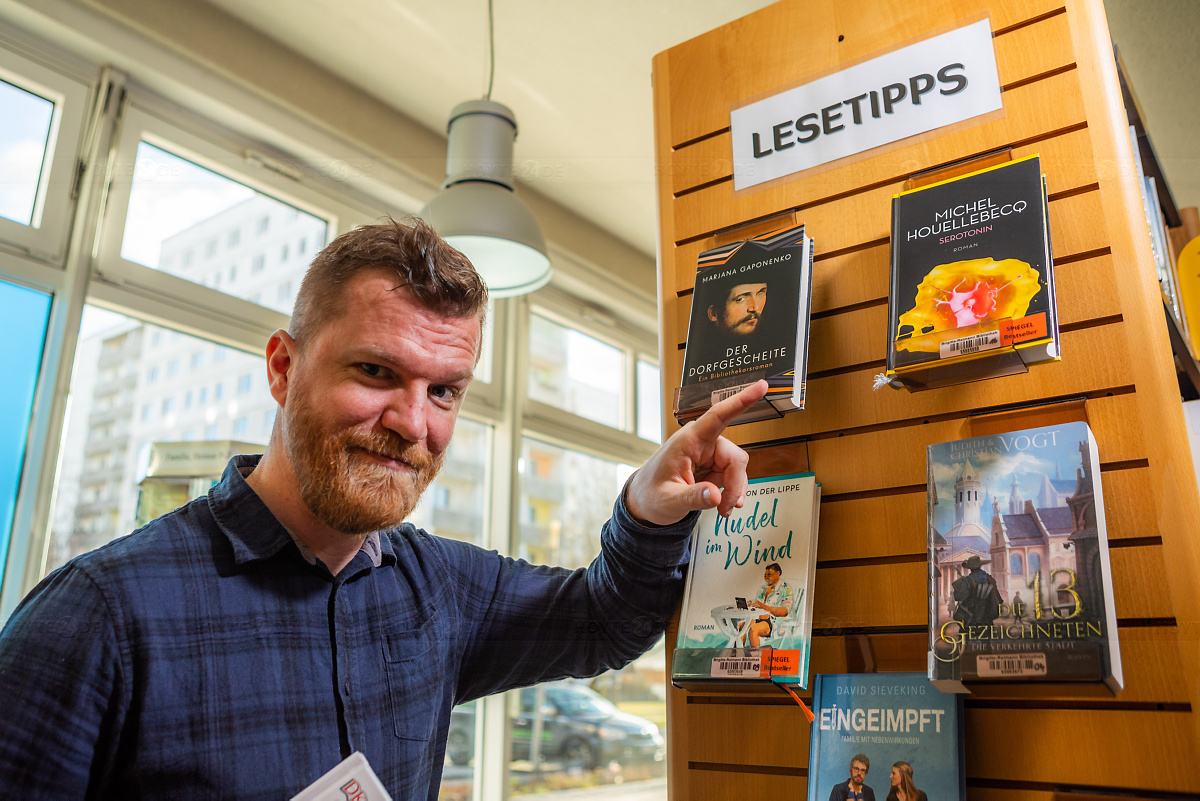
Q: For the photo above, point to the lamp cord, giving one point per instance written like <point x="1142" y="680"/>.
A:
<point x="491" y="51"/>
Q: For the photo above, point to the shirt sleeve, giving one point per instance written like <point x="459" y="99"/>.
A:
<point x="524" y="624"/>
<point x="60" y="689"/>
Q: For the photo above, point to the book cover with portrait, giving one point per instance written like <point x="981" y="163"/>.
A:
<point x="750" y="314"/>
<point x="893" y="733"/>
<point x="747" y="605"/>
<point x="1020" y="583"/>
<point x="972" y="278"/>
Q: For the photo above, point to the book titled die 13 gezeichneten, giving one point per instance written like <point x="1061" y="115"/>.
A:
<point x="747" y="605"/>
<point x="1020" y="583"/>
<point x="888" y="718"/>
<point x="750" y="313"/>
<point x="972" y="280"/>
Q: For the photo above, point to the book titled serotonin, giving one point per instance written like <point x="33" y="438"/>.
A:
<point x="750" y="313"/>
<point x="747" y="607"/>
<point x="972" y="292"/>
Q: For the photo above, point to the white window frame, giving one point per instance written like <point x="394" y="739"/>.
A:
<point x="46" y="237"/>
<point x="192" y="307"/>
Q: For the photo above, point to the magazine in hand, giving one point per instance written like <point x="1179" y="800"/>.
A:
<point x="1020" y="585"/>
<point x="888" y="718"/>
<point x="750" y="315"/>
<point x="972" y="281"/>
<point x="747" y="607"/>
<point x="350" y="780"/>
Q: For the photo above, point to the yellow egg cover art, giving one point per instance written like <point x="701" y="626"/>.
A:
<point x="966" y="293"/>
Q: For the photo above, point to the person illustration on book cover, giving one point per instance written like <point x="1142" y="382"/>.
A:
<point x="977" y="595"/>
<point x="903" y="787"/>
<point x="854" y="789"/>
<point x="775" y="598"/>
<point x="740" y="313"/>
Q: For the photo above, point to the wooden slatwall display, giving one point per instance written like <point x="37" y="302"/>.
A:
<point x="1062" y="100"/>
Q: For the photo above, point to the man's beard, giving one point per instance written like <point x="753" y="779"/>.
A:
<point x="346" y="489"/>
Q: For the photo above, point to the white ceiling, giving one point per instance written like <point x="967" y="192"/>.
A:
<point x="577" y="76"/>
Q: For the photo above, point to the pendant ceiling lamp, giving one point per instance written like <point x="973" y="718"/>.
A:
<point x="477" y="210"/>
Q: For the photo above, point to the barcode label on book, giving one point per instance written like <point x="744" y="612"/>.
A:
<point x="719" y="395"/>
<point x="988" y="340"/>
<point x="736" y="667"/>
<point x="1003" y="666"/>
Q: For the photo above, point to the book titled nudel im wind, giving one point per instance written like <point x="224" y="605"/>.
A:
<point x="747" y="606"/>
<point x="1020" y="583"/>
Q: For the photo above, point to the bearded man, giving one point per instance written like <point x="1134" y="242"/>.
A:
<point x="242" y="645"/>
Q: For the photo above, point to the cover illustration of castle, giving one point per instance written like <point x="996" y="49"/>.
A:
<point x="749" y="321"/>
<point x="881" y="731"/>
<point x="1020" y="587"/>
<point x="972" y="275"/>
<point x="747" y="607"/>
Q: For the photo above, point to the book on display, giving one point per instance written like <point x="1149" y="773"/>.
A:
<point x="750" y="313"/>
<point x="972" y="281"/>
<point x="1020" y="584"/>
<point x="747" y="606"/>
<point x="885" y="722"/>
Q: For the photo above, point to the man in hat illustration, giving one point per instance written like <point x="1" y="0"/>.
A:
<point x="977" y="596"/>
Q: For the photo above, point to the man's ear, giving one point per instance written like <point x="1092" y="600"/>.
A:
<point x="281" y="360"/>
<point x="712" y="316"/>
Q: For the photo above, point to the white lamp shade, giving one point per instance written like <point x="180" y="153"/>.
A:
<point x="477" y="210"/>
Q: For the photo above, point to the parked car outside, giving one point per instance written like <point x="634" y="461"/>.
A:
<point x="580" y="728"/>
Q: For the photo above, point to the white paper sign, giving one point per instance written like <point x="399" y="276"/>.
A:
<point x="940" y="81"/>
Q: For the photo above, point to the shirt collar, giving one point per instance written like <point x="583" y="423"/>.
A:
<point x="254" y="532"/>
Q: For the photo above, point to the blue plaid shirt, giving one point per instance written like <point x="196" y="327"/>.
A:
<point x="203" y="657"/>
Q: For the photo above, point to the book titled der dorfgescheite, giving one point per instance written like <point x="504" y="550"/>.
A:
<point x="747" y="606"/>
<point x="972" y="282"/>
<point x="750" y="314"/>
<point x="888" y="718"/>
<point x="1020" y="585"/>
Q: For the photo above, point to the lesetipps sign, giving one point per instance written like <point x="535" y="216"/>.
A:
<point x="940" y="81"/>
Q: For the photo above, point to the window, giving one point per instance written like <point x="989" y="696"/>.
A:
<point x="172" y="368"/>
<point x="197" y="360"/>
<point x="256" y="265"/>
<point x="26" y="313"/>
<point x="1035" y="564"/>
<point x="151" y="375"/>
<point x="239" y="426"/>
<point x="283" y="253"/>
<point x="244" y="383"/>
<point x="575" y="372"/>
<point x="218" y="354"/>
<point x="23" y="147"/>
<point x="285" y="291"/>
<point x="218" y="391"/>
<point x="649" y="402"/>
<point x="177" y="204"/>
<point x="234" y="237"/>
<point x="43" y="113"/>
<point x="124" y="445"/>
<point x="1016" y="567"/>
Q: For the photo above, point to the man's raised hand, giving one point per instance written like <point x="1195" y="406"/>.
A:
<point x="696" y="468"/>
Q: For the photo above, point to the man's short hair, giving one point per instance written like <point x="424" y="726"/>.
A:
<point x="775" y="566"/>
<point x="866" y="763"/>
<point x="438" y="276"/>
